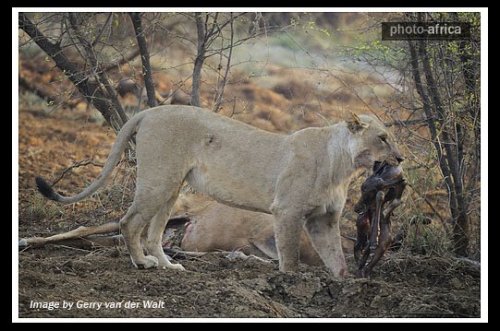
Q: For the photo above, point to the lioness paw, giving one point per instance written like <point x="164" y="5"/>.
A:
<point x="174" y="267"/>
<point x="168" y="265"/>
<point x="149" y="262"/>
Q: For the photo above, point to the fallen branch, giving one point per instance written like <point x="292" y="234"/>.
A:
<point x="473" y="263"/>
<point x="77" y="236"/>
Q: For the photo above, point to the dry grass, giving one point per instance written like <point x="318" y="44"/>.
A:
<point x="39" y="208"/>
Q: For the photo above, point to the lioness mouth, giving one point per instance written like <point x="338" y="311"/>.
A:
<point x="384" y="175"/>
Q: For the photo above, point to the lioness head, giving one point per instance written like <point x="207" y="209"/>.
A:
<point x="372" y="142"/>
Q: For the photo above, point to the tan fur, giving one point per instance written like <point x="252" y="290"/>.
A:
<point x="218" y="227"/>
<point x="300" y="178"/>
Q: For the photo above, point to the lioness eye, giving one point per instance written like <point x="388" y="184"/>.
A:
<point x="383" y="138"/>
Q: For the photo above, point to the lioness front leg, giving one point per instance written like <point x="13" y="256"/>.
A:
<point x="324" y="232"/>
<point x="287" y="228"/>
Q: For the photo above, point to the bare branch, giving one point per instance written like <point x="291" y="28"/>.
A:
<point x="102" y="30"/>
<point x="87" y="87"/>
<point x="124" y="60"/>
<point x="101" y="76"/>
<point x="409" y="122"/>
<point x="73" y="166"/>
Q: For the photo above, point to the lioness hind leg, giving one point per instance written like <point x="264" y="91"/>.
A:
<point x="131" y="227"/>
<point x="155" y="234"/>
<point x="324" y="232"/>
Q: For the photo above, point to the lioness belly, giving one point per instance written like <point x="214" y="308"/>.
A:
<point x="231" y="191"/>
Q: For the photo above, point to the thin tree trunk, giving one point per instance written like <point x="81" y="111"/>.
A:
<point x="432" y="126"/>
<point x="146" y="65"/>
<point x="198" y="62"/>
<point x="460" y="219"/>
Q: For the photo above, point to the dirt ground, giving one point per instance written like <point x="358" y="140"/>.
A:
<point x="213" y="286"/>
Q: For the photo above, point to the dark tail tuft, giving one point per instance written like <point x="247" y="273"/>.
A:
<point x="45" y="189"/>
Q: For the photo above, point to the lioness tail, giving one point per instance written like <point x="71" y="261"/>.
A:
<point x="46" y="190"/>
<point x="122" y="139"/>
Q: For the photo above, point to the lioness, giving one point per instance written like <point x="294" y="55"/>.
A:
<point x="300" y="178"/>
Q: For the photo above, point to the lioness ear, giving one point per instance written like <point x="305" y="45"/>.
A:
<point x="355" y="124"/>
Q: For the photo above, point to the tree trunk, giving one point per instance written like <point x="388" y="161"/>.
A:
<point x="439" y="136"/>
<point x="198" y="62"/>
<point x="146" y="66"/>
<point x="460" y="219"/>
